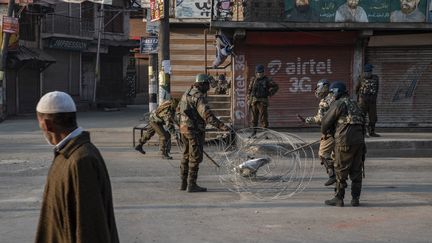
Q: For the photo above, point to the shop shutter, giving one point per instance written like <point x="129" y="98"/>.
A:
<point x="28" y="90"/>
<point x="404" y="97"/>
<point x="297" y="69"/>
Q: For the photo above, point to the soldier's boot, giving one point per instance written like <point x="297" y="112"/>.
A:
<point x="332" y="177"/>
<point x="184" y="168"/>
<point x="328" y="164"/>
<point x="337" y="200"/>
<point x="372" y="131"/>
<point x="139" y="148"/>
<point x="355" y="193"/>
<point x="192" y="185"/>
<point x="165" y="154"/>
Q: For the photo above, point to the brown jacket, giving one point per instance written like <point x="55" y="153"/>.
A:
<point x="77" y="203"/>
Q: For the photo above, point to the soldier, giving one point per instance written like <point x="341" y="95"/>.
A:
<point x="163" y="115"/>
<point x="194" y="114"/>
<point x="367" y="91"/>
<point x="260" y="88"/>
<point x="222" y="85"/>
<point x="345" y="121"/>
<point x="327" y="142"/>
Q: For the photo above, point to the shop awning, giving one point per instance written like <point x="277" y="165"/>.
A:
<point x="32" y="56"/>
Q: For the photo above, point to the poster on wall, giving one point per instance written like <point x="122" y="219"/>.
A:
<point x="194" y="9"/>
<point x="357" y="11"/>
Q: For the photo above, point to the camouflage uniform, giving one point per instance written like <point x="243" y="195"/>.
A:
<point x="346" y="120"/>
<point x="258" y="92"/>
<point x="367" y="91"/>
<point x="326" y="147"/>
<point x="163" y="115"/>
<point x="194" y="114"/>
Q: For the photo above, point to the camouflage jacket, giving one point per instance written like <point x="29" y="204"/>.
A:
<point x="164" y="114"/>
<point x="323" y="107"/>
<point x="261" y="89"/>
<point x="345" y="121"/>
<point x="368" y="86"/>
<point x="195" y="112"/>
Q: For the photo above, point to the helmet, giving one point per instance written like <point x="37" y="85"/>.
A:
<point x="338" y="88"/>
<point x="259" y="68"/>
<point x="322" y="88"/>
<point x="202" y="78"/>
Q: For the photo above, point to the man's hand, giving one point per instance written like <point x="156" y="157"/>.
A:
<point x="300" y="118"/>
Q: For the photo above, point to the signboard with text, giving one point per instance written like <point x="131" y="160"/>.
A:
<point x="149" y="45"/>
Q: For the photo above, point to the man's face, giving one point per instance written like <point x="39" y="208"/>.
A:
<point x="353" y="3"/>
<point x="302" y="5"/>
<point x="408" y="6"/>
<point x="260" y="75"/>
<point x="45" y="125"/>
<point x="301" y="2"/>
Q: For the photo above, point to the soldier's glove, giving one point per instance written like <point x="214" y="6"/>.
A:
<point x="300" y="118"/>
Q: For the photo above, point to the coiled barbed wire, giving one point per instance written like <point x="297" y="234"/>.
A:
<point x="267" y="165"/>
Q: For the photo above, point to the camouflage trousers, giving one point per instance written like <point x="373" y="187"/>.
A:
<point x="164" y="136"/>
<point x="326" y="153"/>
<point x="369" y="107"/>
<point x="259" y="111"/>
<point x="192" y="154"/>
<point x="349" y="162"/>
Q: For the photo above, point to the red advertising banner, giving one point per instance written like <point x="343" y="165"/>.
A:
<point x="156" y="10"/>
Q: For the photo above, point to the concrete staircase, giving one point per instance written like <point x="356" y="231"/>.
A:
<point x="221" y="107"/>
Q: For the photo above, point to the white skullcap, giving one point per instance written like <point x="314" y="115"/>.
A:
<point x="56" y="102"/>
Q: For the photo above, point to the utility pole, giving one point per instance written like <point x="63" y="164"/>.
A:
<point x="97" y="67"/>
<point x="164" y="55"/>
<point x="4" y="51"/>
<point x="153" y="79"/>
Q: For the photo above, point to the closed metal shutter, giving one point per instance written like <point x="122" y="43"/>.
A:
<point x="28" y="90"/>
<point x="297" y="69"/>
<point x="404" y="97"/>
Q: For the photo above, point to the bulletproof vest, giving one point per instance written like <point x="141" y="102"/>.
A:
<point x="354" y="113"/>
<point x="369" y="86"/>
<point x="190" y="116"/>
<point x="260" y="88"/>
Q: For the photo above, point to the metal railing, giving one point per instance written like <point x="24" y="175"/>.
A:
<point x="66" y="25"/>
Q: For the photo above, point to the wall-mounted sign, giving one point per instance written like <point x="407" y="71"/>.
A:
<point x="10" y="25"/>
<point x="199" y="9"/>
<point x="149" y="45"/>
<point x="65" y="44"/>
<point x="156" y="10"/>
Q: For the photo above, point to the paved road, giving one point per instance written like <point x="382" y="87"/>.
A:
<point x="395" y="205"/>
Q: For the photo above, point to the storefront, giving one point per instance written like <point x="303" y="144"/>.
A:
<point x="295" y="61"/>
<point x="405" y="70"/>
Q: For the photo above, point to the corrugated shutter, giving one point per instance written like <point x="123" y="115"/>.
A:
<point x="187" y="54"/>
<point x="404" y="98"/>
<point x="28" y="90"/>
<point x="297" y="69"/>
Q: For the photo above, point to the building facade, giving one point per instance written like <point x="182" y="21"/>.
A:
<point x="59" y="47"/>
<point x="300" y="42"/>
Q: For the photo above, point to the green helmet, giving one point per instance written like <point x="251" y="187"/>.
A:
<point x="202" y="78"/>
